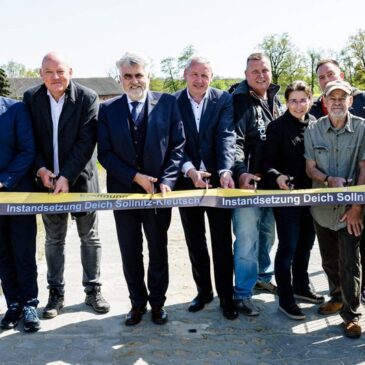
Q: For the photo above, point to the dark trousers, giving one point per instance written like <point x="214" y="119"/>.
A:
<point x="362" y="252"/>
<point x="340" y="254"/>
<point x="155" y="224"/>
<point x="296" y="237"/>
<point x="18" y="268"/>
<point x="220" y="231"/>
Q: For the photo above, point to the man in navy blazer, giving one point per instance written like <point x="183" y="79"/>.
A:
<point x="207" y="114"/>
<point x="18" y="269"/>
<point x="140" y="144"/>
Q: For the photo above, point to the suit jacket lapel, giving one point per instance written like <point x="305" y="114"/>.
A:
<point x="123" y="124"/>
<point x="152" y="100"/>
<point x="188" y="114"/>
<point x="69" y="107"/>
<point x="208" y="108"/>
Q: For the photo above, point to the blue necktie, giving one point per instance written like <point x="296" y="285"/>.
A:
<point x="134" y="114"/>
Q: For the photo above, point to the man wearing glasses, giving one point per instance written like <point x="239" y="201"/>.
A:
<point x="335" y="157"/>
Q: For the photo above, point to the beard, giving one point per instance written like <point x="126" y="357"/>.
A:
<point x="136" y="94"/>
<point x="338" y="116"/>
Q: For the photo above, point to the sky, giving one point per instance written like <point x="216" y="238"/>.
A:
<point x="93" y="34"/>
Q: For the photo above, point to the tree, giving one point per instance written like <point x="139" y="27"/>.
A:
<point x="286" y="62"/>
<point x="16" y="69"/>
<point x="4" y="83"/>
<point x="313" y="58"/>
<point x="172" y="69"/>
<point x="356" y="45"/>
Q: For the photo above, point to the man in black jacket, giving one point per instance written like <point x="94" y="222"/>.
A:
<point x="329" y="70"/>
<point x="64" y="121"/>
<point x="255" y="105"/>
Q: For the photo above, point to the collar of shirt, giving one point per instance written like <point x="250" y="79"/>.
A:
<point x="197" y="108"/>
<point x="193" y="102"/>
<point x="139" y="106"/>
<point x="60" y="101"/>
<point x="348" y="126"/>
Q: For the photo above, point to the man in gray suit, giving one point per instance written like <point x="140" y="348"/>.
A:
<point x="64" y="119"/>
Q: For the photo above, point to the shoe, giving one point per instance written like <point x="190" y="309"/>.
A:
<point x="363" y="294"/>
<point x="11" y="317"/>
<point x="292" y="311"/>
<point x="330" y="307"/>
<point x="229" y="309"/>
<point x="246" y="307"/>
<point x="266" y="286"/>
<point x="351" y="329"/>
<point x="135" y="316"/>
<point x="199" y="302"/>
<point x="95" y="299"/>
<point x="55" y="304"/>
<point x="159" y="315"/>
<point x="309" y="296"/>
<point x="31" y="320"/>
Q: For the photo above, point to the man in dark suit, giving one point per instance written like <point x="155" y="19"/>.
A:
<point x="209" y="154"/>
<point x="140" y="143"/>
<point x="18" y="269"/>
<point x="64" y="118"/>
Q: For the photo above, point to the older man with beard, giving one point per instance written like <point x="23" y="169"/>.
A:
<point x="335" y="157"/>
<point x="141" y="140"/>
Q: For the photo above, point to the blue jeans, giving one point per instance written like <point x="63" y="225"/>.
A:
<point x="296" y="237"/>
<point x="254" y="229"/>
<point x="56" y="229"/>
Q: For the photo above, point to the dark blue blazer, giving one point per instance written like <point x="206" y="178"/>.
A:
<point x="214" y="144"/>
<point x="164" y="145"/>
<point x="17" y="151"/>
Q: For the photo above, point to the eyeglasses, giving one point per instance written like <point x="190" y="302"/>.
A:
<point x="303" y="101"/>
<point x="333" y="100"/>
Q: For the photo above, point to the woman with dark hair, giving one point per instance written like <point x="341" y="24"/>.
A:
<point x="284" y="165"/>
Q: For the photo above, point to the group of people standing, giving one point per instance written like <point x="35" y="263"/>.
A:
<point x="200" y="137"/>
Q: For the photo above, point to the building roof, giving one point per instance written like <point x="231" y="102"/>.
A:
<point x="103" y="86"/>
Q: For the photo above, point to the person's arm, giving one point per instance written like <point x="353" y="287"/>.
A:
<point x="353" y="216"/>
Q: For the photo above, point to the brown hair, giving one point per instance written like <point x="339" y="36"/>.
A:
<point x="297" y="85"/>
<point x="326" y="60"/>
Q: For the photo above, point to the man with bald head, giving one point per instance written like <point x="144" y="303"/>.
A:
<point x="64" y="119"/>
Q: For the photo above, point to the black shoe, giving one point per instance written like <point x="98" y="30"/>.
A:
<point x="11" y="317"/>
<point x="135" y="316"/>
<point x="309" y="297"/>
<point x="95" y="299"/>
<point x="246" y="307"/>
<point x="229" y="308"/>
<point x="199" y="302"/>
<point x="292" y="311"/>
<point x="31" y="320"/>
<point x="159" y="315"/>
<point x="55" y="304"/>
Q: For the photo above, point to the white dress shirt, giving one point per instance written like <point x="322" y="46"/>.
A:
<point x="197" y="110"/>
<point x="56" y="110"/>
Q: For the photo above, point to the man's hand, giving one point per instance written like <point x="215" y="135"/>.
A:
<point x="245" y="181"/>
<point x="226" y="180"/>
<point x="47" y="177"/>
<point x="164" y="189"/>
<point x="283" y="182"/>
<point x="337" y="182"/>
<point x="353" y="218"/>
<point x="61" y="186"/>
<point x="146" y="182"/>
<point x="198" y="177"/>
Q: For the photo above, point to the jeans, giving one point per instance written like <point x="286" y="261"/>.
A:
<point x="340" y="253"/>
<point x="254" y="229"/>
<point x="18" y="268"/>
<point x="56" y="229"/>
<point x="296" y="237"/>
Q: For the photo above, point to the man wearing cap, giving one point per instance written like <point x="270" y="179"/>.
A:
<point x="329" y="70"/>
<point x="335" y="157"/>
